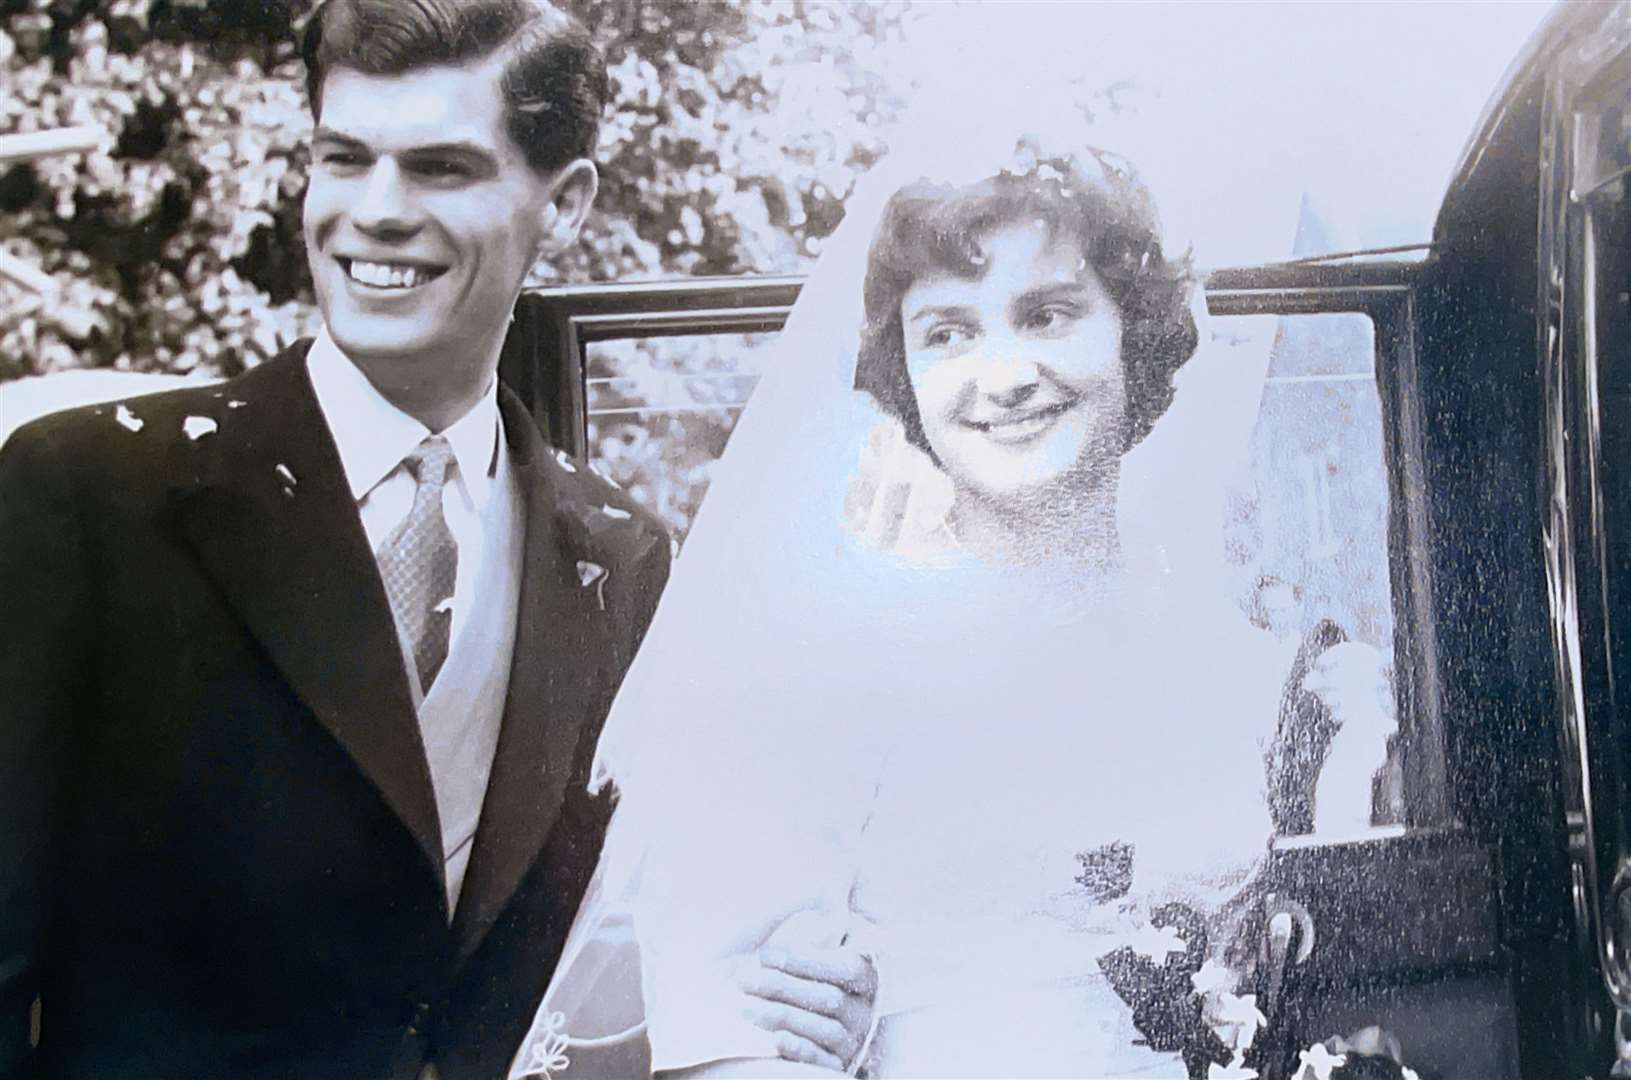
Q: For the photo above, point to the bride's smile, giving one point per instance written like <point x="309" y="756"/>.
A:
<point x="1017" y="372"/>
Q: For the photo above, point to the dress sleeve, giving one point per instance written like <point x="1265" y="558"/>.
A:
<point x="703" y="911"/>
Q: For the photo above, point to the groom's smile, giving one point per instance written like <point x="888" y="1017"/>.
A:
<point x="389" y="276"/>
<point x="422" y="220"/>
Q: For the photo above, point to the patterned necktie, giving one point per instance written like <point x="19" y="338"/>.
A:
<point x="419" y="560"/>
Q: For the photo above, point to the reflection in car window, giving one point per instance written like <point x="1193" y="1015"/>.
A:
<point x="661" y="410"/>
<point x="1310" y="527"/>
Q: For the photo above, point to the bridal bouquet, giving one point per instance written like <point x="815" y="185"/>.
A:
<point x="1184" y="1002"/>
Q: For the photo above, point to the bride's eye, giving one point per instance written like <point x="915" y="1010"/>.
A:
<point x="1049" y="317"/>
<point x="946" y="335"/>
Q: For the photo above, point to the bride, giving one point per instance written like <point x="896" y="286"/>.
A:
<point x="951" y="674"/>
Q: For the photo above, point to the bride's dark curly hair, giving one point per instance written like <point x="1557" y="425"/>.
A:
<point x="935" y="229"/>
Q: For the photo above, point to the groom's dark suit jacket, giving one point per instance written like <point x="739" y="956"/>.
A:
<point x="219" y="847"/>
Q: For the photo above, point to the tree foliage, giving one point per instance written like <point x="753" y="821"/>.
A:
<point x="737" y="127"/>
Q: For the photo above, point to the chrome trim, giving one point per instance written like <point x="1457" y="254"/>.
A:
<point x="1557" y="532"/>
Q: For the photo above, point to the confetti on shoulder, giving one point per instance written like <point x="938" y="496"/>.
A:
<point x="127" y="419"/>
<point x="565" y="461"/>
<point x="285" y="475"/>
<point x="615" y="513"/>
<point x="197" y="427"/>
<point x="236" y="404"/>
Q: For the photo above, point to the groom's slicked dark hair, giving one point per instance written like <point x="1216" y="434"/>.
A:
<point x="553" y="80"/>
<point x="933" y="229"/>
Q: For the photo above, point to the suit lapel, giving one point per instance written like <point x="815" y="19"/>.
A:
<point x="562" y="647"/>
<point x="275" y="525"/>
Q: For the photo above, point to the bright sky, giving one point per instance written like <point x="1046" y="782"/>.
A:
<point x="1364" y="106"/>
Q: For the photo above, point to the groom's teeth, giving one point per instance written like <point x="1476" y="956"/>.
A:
<point x="388" y="275"/>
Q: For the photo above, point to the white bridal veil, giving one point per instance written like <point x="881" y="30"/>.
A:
<point x="816" y="589"/>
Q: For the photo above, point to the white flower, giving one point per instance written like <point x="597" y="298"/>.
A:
<point x="1317" y="1063"/>
<point x="1156" y="942"/>
<point x="1213" y="977"/>
<point x="197" y="427"/>
<point x="1236" y="1018"/>
<point x="127" y="419"/>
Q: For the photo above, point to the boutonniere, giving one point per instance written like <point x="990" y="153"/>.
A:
<point x="593" y="575"/>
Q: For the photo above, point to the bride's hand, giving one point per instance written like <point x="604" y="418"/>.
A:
<point x="815" y="995"/>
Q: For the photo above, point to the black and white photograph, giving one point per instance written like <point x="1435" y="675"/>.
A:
<point x="901" y="539"/>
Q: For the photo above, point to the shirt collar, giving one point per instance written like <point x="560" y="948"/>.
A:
<point x="373" y="436"/>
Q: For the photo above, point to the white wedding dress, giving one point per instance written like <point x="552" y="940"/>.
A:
<point x="985" y="778"/>
<point x="942" y="830"/>
<point x="1116" y="734"/>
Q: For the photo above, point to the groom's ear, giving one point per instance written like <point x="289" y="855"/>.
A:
<point x="571" y="197"/>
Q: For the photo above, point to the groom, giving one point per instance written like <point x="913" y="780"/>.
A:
<point x="301" y="675"/>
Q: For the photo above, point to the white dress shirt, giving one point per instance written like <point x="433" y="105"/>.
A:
<point x="461" y="712"/>
<point x="373" y="436"/>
